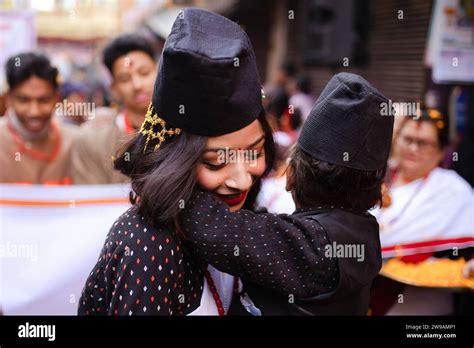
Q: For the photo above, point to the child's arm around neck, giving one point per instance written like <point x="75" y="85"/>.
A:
<point x="283" y="252"/>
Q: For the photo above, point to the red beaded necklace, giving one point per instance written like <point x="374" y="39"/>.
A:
<point x="215" y="294"/>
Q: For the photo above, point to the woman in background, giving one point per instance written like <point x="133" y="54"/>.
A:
<point x="429" y="210"/>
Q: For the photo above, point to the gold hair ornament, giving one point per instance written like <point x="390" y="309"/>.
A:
<point x="148" y="125"/>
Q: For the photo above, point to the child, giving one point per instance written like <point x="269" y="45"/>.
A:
<point x="321" y="259"/>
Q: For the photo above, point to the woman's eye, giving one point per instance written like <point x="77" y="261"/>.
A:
<point x="213" y="166"/>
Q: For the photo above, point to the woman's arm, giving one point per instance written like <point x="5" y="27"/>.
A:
<point x="93" y="293"/>
<point x="282" y="252"/>
<point x="141" y="271"/>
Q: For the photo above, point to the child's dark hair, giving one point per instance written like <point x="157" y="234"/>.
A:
<point x="123" y="44"/>
<point x="21" y="67"/>
<point x="166" y="179"/>
<point x="319" y="183"/>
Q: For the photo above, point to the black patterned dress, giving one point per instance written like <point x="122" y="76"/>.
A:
<point x="144" y="270"/>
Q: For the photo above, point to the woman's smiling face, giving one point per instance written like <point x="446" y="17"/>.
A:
<point x="231" y="164"/>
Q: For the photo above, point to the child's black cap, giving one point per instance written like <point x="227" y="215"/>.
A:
<point x="346" y="125"/>
<point x="207" y="81"/>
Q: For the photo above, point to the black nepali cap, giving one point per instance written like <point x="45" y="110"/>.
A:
<point x="346" y="126"/>
<point x="207" y="81"/>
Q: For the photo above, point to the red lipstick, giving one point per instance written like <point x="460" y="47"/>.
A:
<point x="234" y="199"/>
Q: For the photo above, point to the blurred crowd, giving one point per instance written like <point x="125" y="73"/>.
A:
<point x="55" y="133"/>
<point x="64" y="136"/>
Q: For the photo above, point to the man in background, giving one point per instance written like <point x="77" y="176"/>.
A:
<point x="34" y="148"/>
<point x="277" y="94"/>
<point x="130" y="59"/>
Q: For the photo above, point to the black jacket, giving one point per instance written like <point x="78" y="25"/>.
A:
<point x="317" y="260"/>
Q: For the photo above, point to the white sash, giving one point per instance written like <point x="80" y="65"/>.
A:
<point x="439" y="216"/>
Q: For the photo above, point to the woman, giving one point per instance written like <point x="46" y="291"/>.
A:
<point x="206" y="107"/>
<point x="429" y="210"/>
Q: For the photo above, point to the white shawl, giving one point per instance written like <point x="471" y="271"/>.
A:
<point x="439" y="216"/>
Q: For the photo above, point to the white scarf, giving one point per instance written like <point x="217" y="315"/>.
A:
<point x="438" y="217"/>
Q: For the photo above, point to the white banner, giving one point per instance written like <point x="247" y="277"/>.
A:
<point x="50" y="239"/>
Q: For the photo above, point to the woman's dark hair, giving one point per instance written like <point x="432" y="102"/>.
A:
<point x="21" y="67"/>
<point x="270" y="152"/>
<point x="438" y="119"/>
<point x="124" y="44"/>
<point x="319" y="183"/>
<point x="166" y="179"/>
